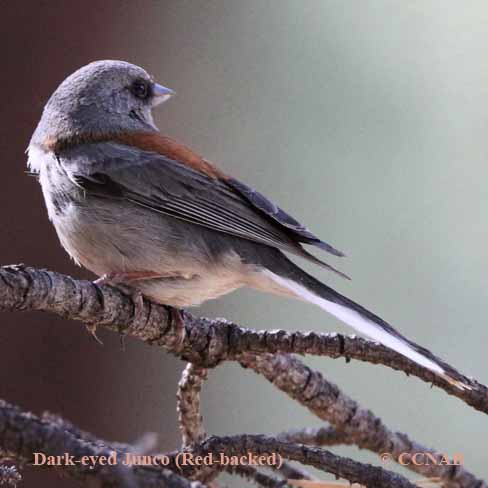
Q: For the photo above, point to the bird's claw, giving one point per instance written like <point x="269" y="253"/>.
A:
<point x="92" y="330"/>
<point x="175" y="316"/>
<point x="117" y="281"/>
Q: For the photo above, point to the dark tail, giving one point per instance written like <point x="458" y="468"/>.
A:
<point x="301" y="285"/>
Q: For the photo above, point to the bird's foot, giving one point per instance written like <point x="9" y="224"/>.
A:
<point x="138" y="301"/>
<point x="176" y="322"/>
<point x="122" y="282"/>
<point x="136" y="297"/>
<point x="175" y="316"/>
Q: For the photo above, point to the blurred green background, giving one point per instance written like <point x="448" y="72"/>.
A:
<point x="366" y="120"/>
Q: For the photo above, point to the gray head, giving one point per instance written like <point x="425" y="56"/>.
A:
<point x="104" y="97"/>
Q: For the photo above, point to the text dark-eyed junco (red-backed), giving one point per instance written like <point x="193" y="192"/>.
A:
<point x="143" y="211"/>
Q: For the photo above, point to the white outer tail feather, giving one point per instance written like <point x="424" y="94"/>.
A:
<point x="358" y="322"/>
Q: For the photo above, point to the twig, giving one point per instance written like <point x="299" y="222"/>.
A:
<point x="144" y="445"/>
<point x="259" y="478"/>
<point x="23" y="434"/>
<point x="188" y="404"/>
<point x="291" y="472"/>
<point x="321" y="436"/>
<point x="353" y="471"/>
<point x="360" y="426"/>
<point x="192" y="431"/>
<point x="9" y="476"/>
<point x="189" y="416"/>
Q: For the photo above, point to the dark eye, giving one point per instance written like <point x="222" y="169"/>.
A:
<point x="140" y="89"/>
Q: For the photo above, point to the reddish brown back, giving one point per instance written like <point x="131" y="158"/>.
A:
<point x="171" y="149"/>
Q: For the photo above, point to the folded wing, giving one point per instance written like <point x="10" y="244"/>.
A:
<point x="160" y="184"/>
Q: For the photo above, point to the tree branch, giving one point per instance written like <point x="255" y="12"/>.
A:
<point x="24" y="434"/>
<point x="353" y="471"/>
<point x="321" y="436"/>
<point x="190" y="419"/>
<point x="206" y="343"/>
<point x="259" y="478"/>
<point x="358" y="425"/>
<point x="9" y="476"/>
<point x="192" y="431"/>
<point x="188" y="404"/>
<point x="201" y="341"/>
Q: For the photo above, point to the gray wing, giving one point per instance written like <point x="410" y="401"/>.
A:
<point x="111" y="170"/>
<point x="267" y="207"/>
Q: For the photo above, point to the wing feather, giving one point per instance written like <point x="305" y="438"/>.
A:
<point x="112" y="170"/>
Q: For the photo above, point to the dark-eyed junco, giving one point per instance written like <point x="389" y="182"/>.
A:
<point x="141" y="210"/>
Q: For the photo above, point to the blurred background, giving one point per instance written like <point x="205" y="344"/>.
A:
<point x="366" y="120"/>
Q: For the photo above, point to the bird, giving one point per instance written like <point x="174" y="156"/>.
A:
<point x="146" y="213"/>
